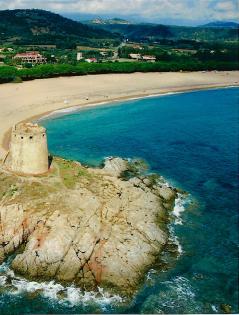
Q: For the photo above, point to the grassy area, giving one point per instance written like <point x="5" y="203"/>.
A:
<point x="70" y="172"/>
<point x="64" y="174"/>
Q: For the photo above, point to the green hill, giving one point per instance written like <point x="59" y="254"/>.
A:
<point x="152" y="32"/>
<point x="26" y="27"/>
<point x="39" y="27"/>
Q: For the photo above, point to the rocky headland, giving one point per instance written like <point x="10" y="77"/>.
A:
<point x="85" y="226"/>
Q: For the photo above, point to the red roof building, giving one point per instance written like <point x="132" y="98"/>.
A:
<point x="90" y="60"/>
<point x="33" y="57"/>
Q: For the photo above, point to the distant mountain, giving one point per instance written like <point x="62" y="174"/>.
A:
<point x="134" y="31"/>
<point x="221" y="24"/>
<point x="39" y="27"/>
<point x="43" y="27"/>
<point x="114" y="21"/>
<point x="153" y="32"/>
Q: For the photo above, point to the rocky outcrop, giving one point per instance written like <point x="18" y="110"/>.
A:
<point x="84" y="226"/>
<point x="115" y="166"/>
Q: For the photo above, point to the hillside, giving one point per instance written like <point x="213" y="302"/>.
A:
<point x="222" y="24"/>
<point x="39" y="27"/>
<point x="158" y="31"/>
<point x="43" y="27"/>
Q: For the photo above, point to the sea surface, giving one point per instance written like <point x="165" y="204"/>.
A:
<point x="192" y="140"/>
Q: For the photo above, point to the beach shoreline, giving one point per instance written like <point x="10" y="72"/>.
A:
<point x="38" y="99"/>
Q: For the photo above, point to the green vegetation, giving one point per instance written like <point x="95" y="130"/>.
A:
<point x="39" y="27"/>
<point x="185" y="50"/>
<point x="27" y="27"/>
<point x="70" y="172"/>
<point x="9" y="74"/>
<point x="17" y="80"/>
<point x="155" y="32"/>
<point x="58" y="39"/>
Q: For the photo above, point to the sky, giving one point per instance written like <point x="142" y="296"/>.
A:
<point x="182" y="12"/>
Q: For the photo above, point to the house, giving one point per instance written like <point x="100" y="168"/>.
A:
<point x="79" y="56"/>
<point x="149" y="58"/>
<point x="33" y="57"/>
<point x="135" y="56"/>
<point x="91" y="60"/>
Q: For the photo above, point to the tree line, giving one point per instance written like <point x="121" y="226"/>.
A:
<point x="12" y="74"/>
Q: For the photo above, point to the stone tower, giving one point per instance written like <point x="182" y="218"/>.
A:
<point x="28" y="153"/>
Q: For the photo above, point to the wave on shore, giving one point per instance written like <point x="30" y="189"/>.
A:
<point x="69" y="295"/>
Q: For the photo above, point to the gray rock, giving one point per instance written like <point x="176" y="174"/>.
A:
<point x="115" y="166"/>
<point x="166" y="193"/>
<point x="83" y="227"/>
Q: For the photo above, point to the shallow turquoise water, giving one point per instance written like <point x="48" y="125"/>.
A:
<point x="192" y="140"/>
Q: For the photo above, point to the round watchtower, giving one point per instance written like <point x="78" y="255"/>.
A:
<point x="28" y="152"/>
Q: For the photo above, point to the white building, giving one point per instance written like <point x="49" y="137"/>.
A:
<point x="149" y="58"/>
<point x="135" y="56"/>
<point x="79" y="56"/>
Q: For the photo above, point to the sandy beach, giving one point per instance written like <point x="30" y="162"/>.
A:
<point x="24" y="101"/>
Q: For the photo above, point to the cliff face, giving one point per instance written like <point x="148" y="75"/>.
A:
<point x="84" y="226"/>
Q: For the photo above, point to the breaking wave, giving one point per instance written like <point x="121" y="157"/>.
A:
<point x="180" y="205"/>
<point x="52" y="290"/>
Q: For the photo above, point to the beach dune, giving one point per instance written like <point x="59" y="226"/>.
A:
<point x="19" y="102"/>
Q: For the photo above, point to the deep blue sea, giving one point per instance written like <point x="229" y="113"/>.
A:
<point x="192" y="140"/>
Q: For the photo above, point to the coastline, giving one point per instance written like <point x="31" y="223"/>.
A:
<point x="76" y="108"/>
<point x="108" y="89"/>
<point x="179" y="282"/>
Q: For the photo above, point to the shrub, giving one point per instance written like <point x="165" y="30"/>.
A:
<point x="17" y="80"/>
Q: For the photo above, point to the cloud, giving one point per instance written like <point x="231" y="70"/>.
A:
<point x="147" y="9"/>
<point x="227" y="5"/>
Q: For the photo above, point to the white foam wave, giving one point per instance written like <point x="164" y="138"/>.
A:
<point x="182" y="289"/>
<point x="47" y="289"/>
<point x="76" y="108"/>
<point x="163" y="94"/>
<point x="174" y="239"/>
<point x="176" y="295"/>
<point x="179" y="207"/>
<point x="69" y="295"/>
<point x="150" y="274"/>
<point x="3" y="280"/>
<point x="71" y="109"/>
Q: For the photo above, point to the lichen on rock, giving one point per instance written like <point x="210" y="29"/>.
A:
<point x="84" y="226"/>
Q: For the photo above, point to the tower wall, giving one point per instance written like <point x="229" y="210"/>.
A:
<point x="28" y="150"/>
